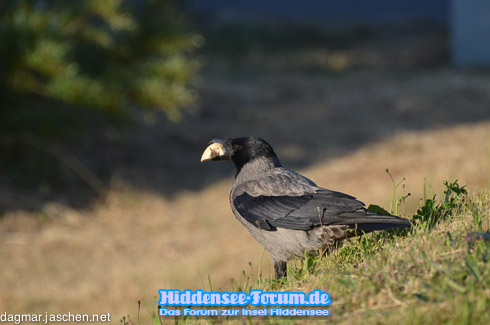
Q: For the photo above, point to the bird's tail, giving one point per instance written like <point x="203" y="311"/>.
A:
<point x="367" y="221"/>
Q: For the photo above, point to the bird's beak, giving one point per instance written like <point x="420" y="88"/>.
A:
<point x="216" y="151"/>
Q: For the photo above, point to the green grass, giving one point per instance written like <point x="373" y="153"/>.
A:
<point x="430" y="274"/>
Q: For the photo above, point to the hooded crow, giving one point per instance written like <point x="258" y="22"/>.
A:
<point x="285" y="211"/>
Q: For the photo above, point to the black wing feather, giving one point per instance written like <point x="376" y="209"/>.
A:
<point x="264" y="211"/>
<point x="310" y="210"/>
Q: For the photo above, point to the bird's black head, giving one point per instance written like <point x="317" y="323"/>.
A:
<point x="241" y="151"/>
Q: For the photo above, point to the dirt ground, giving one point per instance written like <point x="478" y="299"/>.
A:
<point x="340" y="115"/>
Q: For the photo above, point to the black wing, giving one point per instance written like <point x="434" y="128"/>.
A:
<point x="310" y="210"/>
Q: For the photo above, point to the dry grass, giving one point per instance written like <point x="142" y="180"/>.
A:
<point x="107" y="259"/>
<point x="461" y="152"/>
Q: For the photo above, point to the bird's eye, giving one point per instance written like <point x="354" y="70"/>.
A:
<point x="235" y="147"/>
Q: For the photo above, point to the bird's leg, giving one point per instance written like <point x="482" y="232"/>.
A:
<point x="281" y="268"/>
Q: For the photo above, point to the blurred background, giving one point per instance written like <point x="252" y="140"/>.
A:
<point x="106" y="107"/>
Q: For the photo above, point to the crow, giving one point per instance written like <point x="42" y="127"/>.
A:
<point x="285" y="211"/>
